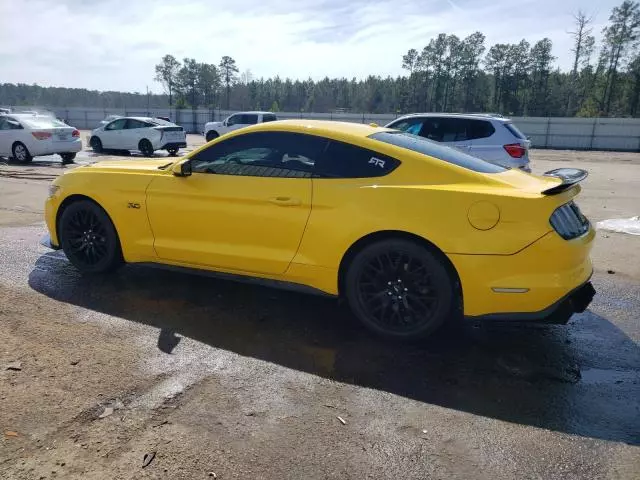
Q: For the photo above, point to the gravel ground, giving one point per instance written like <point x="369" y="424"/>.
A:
<point x="214" y="379"/>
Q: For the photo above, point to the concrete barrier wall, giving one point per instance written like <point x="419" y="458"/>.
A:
<point x="620" y="134"/>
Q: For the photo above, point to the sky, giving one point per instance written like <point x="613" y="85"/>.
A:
<point x="115" y="44"/>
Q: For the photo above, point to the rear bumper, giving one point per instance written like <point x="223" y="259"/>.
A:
<point x="173" y="145"/>
<point x="527" y="284"/>
<point x="560" y="312"/>
<point x="50" y="148"/>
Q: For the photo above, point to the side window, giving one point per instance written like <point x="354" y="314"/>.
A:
<point x="4" y="124"/>
<point x="116" y="124"/>
<point x="479" y="129"/>
<point x="432" y="128"/>
<point x="343" y="160"/>
<point x="131" y="124"/>
<point x="233" y="120"/>
<point x="262" y="154"/>
<point x="14" y="125"/>
<point x="454" y="130"/>
<point x="269" y="117"/>
<point x="413" y="126"/>
<point x="250" y="119"/>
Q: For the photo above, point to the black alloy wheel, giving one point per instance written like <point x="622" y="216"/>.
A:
<point x="400" y="289"/>
<point x="89" y="238"/>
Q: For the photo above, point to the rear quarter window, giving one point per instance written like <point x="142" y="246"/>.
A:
<point x="436" y="150"/>
<point x="480" y="129"/>
<point x="269" y="118"/>
<point x="343" y="160"/>
<point x="515" y="131"/>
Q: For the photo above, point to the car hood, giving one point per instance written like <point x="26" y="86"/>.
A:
<point x="130" y="166"/>
<point x="214" y="124"/>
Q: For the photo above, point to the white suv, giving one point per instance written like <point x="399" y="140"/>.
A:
<point x="237" y="120"/>
<point x="489" y="137"/>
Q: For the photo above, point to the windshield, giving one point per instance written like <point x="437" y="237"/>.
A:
<point x="436" y="150"/>
<point x="42" y="122"/>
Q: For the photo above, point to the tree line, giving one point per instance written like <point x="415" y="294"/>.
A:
<point x="449" y="74"/>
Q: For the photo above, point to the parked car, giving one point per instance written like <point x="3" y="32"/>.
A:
<point x="5" y="111"/>
<point x="237" y="120"/>
<point x="139" y="133"/>
<point x="109" y="119"/>
<point x="488" y="136"/>
<point x="412" y="233"/>
<point x="24" y="136"/>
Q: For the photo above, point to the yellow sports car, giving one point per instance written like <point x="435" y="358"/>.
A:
<point x="410" y="232"/>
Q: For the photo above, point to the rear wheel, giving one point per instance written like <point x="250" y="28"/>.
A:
<point x="68" y="157"/>
<point x="172" y="151"/>
<point x="21" y="153"/>
<point x="96" y="144"/>
<point x="145" y="147"/>
<point x="88" y="238"/>
<point x="211" y="135"/>
<point x="400" y="289"/>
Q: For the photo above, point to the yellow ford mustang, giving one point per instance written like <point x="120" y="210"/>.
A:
<point x="410" y="232"/>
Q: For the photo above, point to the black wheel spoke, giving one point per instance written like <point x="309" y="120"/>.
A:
<point x="87" y="237"/>
<point x="394" y="289"/>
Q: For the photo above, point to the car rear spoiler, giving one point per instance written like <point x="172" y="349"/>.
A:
<point x="569" y="177"/>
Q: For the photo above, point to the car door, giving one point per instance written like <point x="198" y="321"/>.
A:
<point x="5" y="137"/>
<point x="134" y="131"/>
<point x="448" y="130"/>
<point x="112" y="135"/>
<point x="243" y="209"/>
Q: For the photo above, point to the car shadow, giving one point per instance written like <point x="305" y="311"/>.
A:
<point x="579" y="379"/>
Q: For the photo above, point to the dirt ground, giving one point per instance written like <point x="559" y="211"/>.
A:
<point x="212" y="379"/>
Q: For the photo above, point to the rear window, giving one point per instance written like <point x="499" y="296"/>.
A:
<point x="42" y="122"/>
<point x="515" y="131"/>
<point x="269" y="117"/>
<point x="434" y="149"/>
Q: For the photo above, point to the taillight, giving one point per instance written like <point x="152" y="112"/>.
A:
<point x="76" y="133"/>
<point x="41" y="135"/>
<point x="569" y="221"/>
<point x="515" y="150"/>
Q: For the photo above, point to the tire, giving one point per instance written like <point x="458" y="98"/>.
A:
<point x="211" y="135"/>
<point x="172" y="151"/>
<point x="67" y="157"/>
<point x="399" y="289"/>
<point x="88" y="238"/>
<point x="145" y="147"/>
<point x="96" y="144"/>
<point x="21" y="153"/>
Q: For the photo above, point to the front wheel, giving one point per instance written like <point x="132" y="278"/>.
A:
<point x="88" y="238"/>
<point x="211" y="135"/>
<point x="146" y="148"/>
<point x="400" y="289"/>
<point x="21" y="153"/>
<point x="67" y="157"/>
<point x="96" y="144"/>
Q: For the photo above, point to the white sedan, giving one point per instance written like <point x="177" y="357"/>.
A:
<point x="24" y="136"/>
<point x="139" y="133"/>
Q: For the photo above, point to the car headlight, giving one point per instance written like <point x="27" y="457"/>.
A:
<point x="53" y="189"/>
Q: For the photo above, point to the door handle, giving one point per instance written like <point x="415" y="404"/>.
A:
<point x="285" y="201"/>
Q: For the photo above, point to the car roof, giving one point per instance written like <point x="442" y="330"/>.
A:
<point x="319" y="127"/>
<point x="253" y="112"/>
<point x="468" y="116"/>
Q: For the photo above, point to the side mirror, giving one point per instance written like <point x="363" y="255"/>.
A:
<point x="182" y="169"/>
